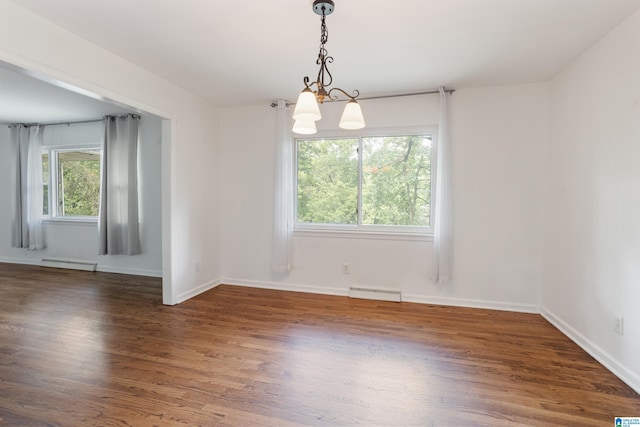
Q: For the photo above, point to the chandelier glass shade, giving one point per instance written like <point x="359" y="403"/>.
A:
<point x="307" y="110"/>
<point x="352" y="116"/>
<point x="305" y="127"/>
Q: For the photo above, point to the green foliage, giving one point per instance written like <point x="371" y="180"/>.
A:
<point x="328" y="181"/>
<point x="396" y="181"/>
<point x="79" y="184"/>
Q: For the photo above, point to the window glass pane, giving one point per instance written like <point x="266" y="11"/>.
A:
<point x="45" y="184"/>
<point x="328" y="181"/>
<point x="78" y="183"/>
<point x="396" y="180"/>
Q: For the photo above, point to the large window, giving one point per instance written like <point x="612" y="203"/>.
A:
<point x="72" y="182"/>
<point x="365" y="183"/>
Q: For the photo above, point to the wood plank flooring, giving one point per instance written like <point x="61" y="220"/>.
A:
<point x="82" y="349"/>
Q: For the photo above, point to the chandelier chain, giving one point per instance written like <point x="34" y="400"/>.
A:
<point x="324" y="79"/>
<point x="322" y="61"/>
<point x="307" y="111"/>
<point x="324" y="33"/>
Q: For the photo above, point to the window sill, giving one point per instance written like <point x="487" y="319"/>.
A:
<point x="82" y="221"/>
<point x="363" y="234"/>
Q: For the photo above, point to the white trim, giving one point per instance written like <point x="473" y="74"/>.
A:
<point x="167" y="191"/>
<point x="292" y="287"/>
<point x="129" y="270"/>
<point x="349" y="234"/>
<point x="368" y="132"/>
<point x="101" y="268"/>
<point x="183" y="296"/>
<point x="24" y="261"/>
<point x="607" y="360"/>
<point x="69" y="264"/>
<point x="419" y="299"/>
<point x="90" y="146"/>
<point x="472" y="303"/>
<point x="88" y="221"/>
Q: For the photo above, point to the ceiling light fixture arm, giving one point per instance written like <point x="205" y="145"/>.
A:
<point x="356" y="93"/>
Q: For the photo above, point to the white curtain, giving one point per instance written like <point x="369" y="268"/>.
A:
<point x="118" y="218"/>
<point x="283" y="212"/>
<point x="27" y="217"/>
<point x="443" y="224"/>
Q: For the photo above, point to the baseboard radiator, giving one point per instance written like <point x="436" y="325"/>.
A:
<point x="73" y="265"/>
<point x="375" y="293"/>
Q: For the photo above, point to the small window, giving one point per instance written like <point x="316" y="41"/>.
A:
<point x="45" y="183"/>
<point x="73" y="186"/>
<point x="368" y="183"/>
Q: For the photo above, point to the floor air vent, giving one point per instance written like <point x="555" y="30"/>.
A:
<point x="73" y="265"/>
<point x="374" y="293"/>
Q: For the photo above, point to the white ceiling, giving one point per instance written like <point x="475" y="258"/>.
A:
<point x="24" y="99"/>
<point x="249" y="52"/>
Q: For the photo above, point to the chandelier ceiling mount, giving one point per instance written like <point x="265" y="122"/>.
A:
<point x="307" y="111"/>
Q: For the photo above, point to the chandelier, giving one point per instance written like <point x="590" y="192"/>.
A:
<point x="307" y="111"/>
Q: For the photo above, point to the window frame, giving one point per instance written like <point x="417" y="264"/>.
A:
<point x="52" y="151"/>
<point x="360" y="230"/>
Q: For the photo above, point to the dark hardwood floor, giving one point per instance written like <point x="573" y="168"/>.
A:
<point x="81" y="349"/>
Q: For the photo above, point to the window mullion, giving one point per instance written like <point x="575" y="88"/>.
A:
<point x="53" y="183"/>
<point x="295" y="173"/>
<point x="49" y="185"/>
<point x="360" y="149"/>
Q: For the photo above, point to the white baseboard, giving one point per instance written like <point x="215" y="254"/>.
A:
<point x="472" y="303"/>
<point x="25" y="261"/>
<point x="608" y="361"/>
<point x="181" y="297"/>
<point x="103" y="268"/>
<point x="68" y="264"/>
<point x="279" y="286"/>
<point x="128" y="270"/>
<point x="420" y="299"/>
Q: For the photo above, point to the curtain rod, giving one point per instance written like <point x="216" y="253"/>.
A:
<point x="397" y="95"/>
<point x="73" y="122"/>
<point x="79" y="122"/>
<point x="57" y="123"/>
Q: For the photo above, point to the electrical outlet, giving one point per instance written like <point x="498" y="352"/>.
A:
<point x="346" y="268"/>
<point x="619" y="326"/>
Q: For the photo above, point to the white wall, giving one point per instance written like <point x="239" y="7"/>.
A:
<point x="592" y="251"/>
<point x="79" y="242"/>
<point x="190" y="145"/>
<point x="498" y="145"/>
